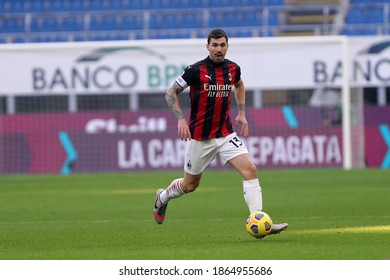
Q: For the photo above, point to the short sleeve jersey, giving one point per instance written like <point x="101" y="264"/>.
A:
<point x="211" y="86"/>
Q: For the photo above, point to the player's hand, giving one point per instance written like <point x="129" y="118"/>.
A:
<point x="241" y="119"/>
<point x="183" y="131"/>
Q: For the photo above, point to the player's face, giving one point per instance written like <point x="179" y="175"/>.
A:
<point x="217" y="49"/>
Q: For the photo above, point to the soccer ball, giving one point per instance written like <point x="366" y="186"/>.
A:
<point x="259" y="224"/>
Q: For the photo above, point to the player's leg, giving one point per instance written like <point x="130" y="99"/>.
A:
<point x="251" y="186"/>
<point x="163" y="196"/>
<point x="198" y="155"/>
<point x="177" y="188"/>
<point x="180" y="186"/>
<point x="234" y="152"/>
<point x="252" y="189"/>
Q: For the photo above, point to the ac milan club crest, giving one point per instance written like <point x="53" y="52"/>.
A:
<point x="189" y="165"/>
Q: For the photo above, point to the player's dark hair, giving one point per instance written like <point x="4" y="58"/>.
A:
<point x="216" y="34"/>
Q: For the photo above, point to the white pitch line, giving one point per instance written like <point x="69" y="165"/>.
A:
<point x="370" y="229"/>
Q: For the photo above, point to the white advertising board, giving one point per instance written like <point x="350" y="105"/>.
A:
<point x="148" y="66"/>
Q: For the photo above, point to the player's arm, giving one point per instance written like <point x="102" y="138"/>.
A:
<point x="239" y="92"/>
<point x="172" y="99"/>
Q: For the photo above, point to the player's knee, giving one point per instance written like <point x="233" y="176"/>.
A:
<point x="250" y="172"/>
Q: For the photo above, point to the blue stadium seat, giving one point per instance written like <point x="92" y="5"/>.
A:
<point x="35" y="24"/>
<point x="252" y="19"/>
<point x="44" y="38"/>
<point x="170" y="34"/>
<point x="359" y="30"/>
<point x="130" y="22"/>
<point x="217" y="3"/>
<point x="120" y="37"/>
<point x="19" y="39"/>
<point x="60" y="38"/>
<point x="120" y="22"/>
<point x="202" y="33"/>
<point x="177" y="4"/>
<point x="264" y="3"/>
<point x="273" y="18"/>
<point x="156" y="4"/>
<point x="181" y="34"/>
<point x="170" y="21"/>
<point x="237" y="3"/>
<point x="223" y="19"/>
<point x="53" y="24"/>
<point x="355" y="15"/>
<point x="163" y="21"/>
<point x="80" y="37"/>
<point x="77" y="6"/>
<point x="40" y="39"/>
<point x="196" y="4"/>
<point x="137" y="5"/>
<point x="190" y="20"/>
<point x="72" y="23"/>
<point x="375" y="15"/>
<point x="55" y="6"/>
<point x="13" y="24"/>
<point x="215" y="20"/>
<point x="239" y="33"/>
<point x="100" y="37"/>
<point x="15" y="6"/>
<point x="97" y="5"/>
<point x="160" y="35"/>
<point x="276" y="2"/>
<point x="365" y="15"/>
<point x="117" y="5"/>
<point x="103" y="23"/>
<point x="155" y="21"/>
<point x="37" y="6"/>
<point x="50" y="24"/>
<point x="254" y="3"/>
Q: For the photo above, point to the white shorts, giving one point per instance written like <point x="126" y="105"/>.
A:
<point x="199" y="154"/>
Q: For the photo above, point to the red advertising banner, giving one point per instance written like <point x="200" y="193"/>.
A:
<point x="147" y="140"/>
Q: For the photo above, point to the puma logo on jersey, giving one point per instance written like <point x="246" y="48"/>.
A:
<point x="208" y="77"/>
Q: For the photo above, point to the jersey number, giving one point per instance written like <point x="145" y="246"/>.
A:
<point x="236" y="142"/>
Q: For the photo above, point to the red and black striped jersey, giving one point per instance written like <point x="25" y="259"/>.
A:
<point x="211" y="87"/>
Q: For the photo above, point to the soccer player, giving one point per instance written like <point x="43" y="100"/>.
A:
<point x="209" y="131"/>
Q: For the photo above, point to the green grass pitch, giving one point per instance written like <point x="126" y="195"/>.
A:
<point x="332" y="215"/>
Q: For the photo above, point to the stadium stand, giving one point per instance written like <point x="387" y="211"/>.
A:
<point x="367" y="18"/>
<point x="83" y="20"/>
